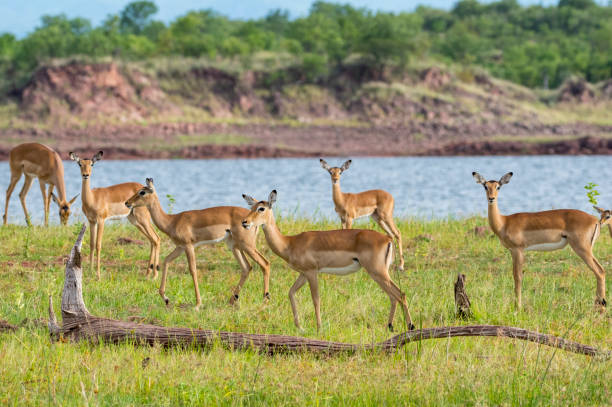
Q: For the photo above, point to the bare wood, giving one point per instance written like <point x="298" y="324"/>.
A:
<point x="375" y="203"/>
<point x="78" y="324"/>
<point x="545" y="231"/>
<point x="203" y="227"/>
<point x="339" y="252"/>
<point x="100" y="204"/>
<point x="35" y="160"/>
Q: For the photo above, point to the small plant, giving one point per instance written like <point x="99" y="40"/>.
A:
<point x="171" y="202"/>
<point x="592" y="193"/>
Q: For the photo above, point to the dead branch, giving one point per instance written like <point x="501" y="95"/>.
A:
<point x="79" y="324"/>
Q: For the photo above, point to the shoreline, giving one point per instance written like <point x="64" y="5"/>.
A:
<point x="465" y="148"/>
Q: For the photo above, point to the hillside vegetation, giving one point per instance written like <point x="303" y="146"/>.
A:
<point x="558" y="294"/>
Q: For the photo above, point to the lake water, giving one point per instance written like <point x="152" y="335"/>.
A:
<point x="423" y="187"/>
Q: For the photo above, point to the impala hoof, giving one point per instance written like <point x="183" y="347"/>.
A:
<point x="233" y="299"/>
<point x="167" y="301"/>
<point x="411" y="327"/>
<point x="267" y="296"/>
<point x="390" y="326"/>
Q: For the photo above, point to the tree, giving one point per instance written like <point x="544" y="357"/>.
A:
<point x="136" y="16"/>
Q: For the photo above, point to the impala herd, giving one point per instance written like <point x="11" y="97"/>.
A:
<point x="340" y="252"/>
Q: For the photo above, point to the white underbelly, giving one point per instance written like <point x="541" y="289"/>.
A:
<point x="220" y="239"/>
<point x="342" y="271"/>
<point x="118" y="217"/>
<point x="547" y="247"/>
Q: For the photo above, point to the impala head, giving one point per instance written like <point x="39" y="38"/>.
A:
<point x="261" y="212"/>
<point x="605" y="215"/>
<point x="492" y="187"/>
<point x="86" y="164"/>
<point x="143" y="196"/>
<point x="335" y="172"/>
<point x="64" y="207"/>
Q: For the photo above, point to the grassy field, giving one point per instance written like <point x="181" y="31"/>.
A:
<point x="558" y="297"/>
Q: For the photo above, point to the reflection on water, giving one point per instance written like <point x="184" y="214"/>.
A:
<point x="428" y="187"/>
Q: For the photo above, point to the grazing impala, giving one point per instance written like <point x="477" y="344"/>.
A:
<point x="206" y="226"/>
<point x="38" y="161"/>
<point x="339" y="252"/>
<point x="545" y="231"/>
<point x="100" y="204"/>
<point x="376" y="203"/>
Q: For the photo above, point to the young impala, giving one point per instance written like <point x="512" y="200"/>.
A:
<point x="100" y="204"/>
<point x="339" y="252"/>
<point x="544" y="231"/>
<point x="376" y="203"/>
<point x="190" y="229"/>
<point x="38" y="161"/>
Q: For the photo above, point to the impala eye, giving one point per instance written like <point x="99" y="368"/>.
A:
<point x="498" y="187"/>
<point x="261" y="209"/>
<point x="141" y="193"/>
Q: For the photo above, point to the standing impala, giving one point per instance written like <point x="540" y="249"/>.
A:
<point x="100" y="204"/>
<point x="544" y="231"/>
<point x="339" y="252"/>
<point x="38" y="161"/>
<point x="376" y="203"/>
<point x="206" y="226"/>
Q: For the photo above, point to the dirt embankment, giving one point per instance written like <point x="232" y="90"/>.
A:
<point x="203" y="112"/>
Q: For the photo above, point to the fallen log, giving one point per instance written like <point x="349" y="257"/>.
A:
<point x="5" y="326"/>
<point x="79" y="324"/>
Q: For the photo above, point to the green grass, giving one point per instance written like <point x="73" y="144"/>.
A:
<point x="558" y="295"/>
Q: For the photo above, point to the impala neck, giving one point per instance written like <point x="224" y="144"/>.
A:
<point x="278" y="242"/>
<point x="337" y="194"/>
<point x="59" y="183"/>
<point x="496" y="219"/>
<point x="161" y="219"/>
<point x="86" y="194"/>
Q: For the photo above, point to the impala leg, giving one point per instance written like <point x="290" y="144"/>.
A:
<point x="388" y="225"/>
<point x="14" y="179"/>
<point x="264" y="264"/>
<point x="140" y="219"/>
<point x="348" y="223"/>
<point x="190" y="252"/>
<point x="313" y="282"/>
<point x="586" y="255"/>
<point x="49" y="193"/>
<point x="396" y="295"/>
<point x="246" y="270"/>
<point x="299" y="283"/>
<point x="43" y="191"/>
<point x="169" y="258"/>
<point x="518" y="259"/>
<point x="93" y="228"/>
<point x="99" y="235"/>
<point x="22" y="196"/>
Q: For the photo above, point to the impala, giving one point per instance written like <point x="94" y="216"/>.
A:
<point x="38" y="161"/>
<point x="339" y="252"/>
<point x="199" y="227"/>
<point x="544" y="231"/>
<point x="100" y="204"/>
<point x="376" y="203"/>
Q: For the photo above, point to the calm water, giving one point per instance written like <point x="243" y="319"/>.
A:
<point x="428" y="187"/>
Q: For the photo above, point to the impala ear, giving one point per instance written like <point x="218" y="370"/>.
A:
<point x="346" y="164"/>
<point x="249" y="200"/>
<point x="55" y="199"/>
<point x="97" y="157"/>
<point x="479" y="178"/>
<point x="598" y="209"/>
<point x="324" y="164"/>
<point x="272" y="198"/>
<point x="74" y="157"/>
<point x="73" y="199"/>
<point x="505" y="179"/>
